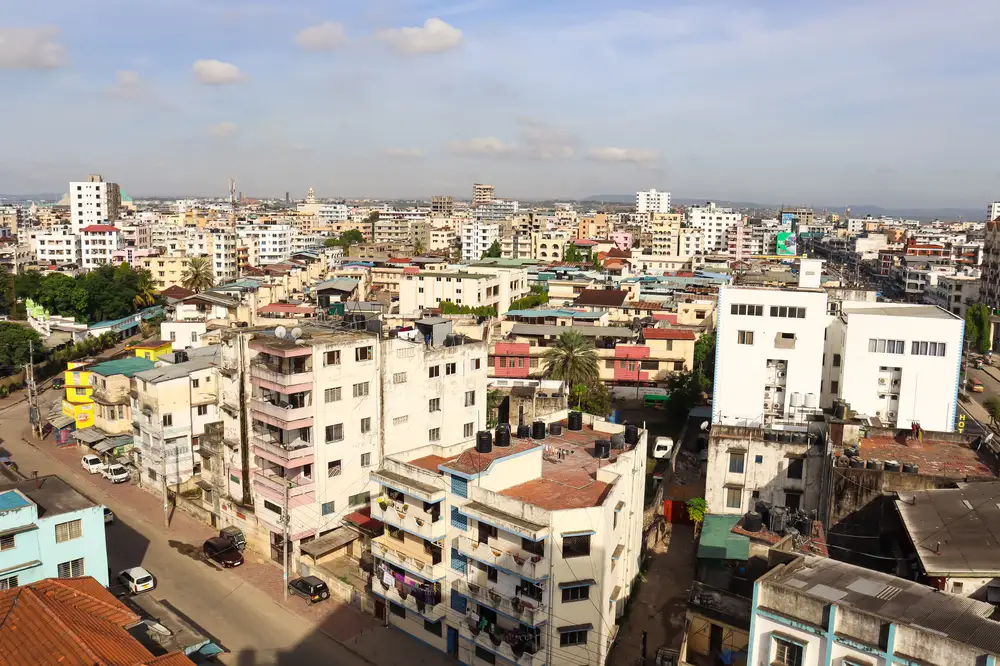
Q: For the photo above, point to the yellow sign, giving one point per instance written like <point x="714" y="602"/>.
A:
<point x="961" y="423"/>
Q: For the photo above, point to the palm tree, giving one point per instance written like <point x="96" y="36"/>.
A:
<point x="198" y="274"/>
<point x="572" y="359"/>
<point x="146" y="295"/>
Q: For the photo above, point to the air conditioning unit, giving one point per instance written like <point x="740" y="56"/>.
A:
<point x="879" y="414"/>
<point x="895" y="382"/>
<point x="781" y="373"/>
<point x="781" y="365"/>
<point x="881" y="380"/>
<point x="892" y="416"/>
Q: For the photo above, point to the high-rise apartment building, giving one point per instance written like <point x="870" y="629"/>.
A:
<point x="652" y="201"/>
<point x="993" y="211"/>
<point x="482" y="194"/>
<point x="477" y="237"/>
<point x="94" y="201"/>
<point x="442" y="206"/>
<point x="714" y="223"/>
<point x="666" y="229"/>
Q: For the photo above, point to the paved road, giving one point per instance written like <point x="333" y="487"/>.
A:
<point x="245" y="620"/>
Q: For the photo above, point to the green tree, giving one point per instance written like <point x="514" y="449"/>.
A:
<point x="332" y="241"/>
<point x="595" y="262"/>
<point x="146" y="294"/>
<point x="63" y="295"/>
<point x="27" y="283"/>
<point x="353" y="236"/>
<point x="592" y="398"/>
<point x="697" y="507"/>
<point x="493" y="252"/>
<point x="572" y="359"/>
<point x="14" y="343"/>
<point x="197" y="275"/>
<point x="704" y="354"/>
<point x="110" y="292"/>
<point x="573" y="254"/>
<point x="977" y="327"/>
<point x="993" y="409"/>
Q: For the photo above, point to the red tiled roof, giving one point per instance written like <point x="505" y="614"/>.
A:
<point x="70" y="622"/>
<point x="399" y="260"/>
<point x="601" y="297"/>
<point x="645" y="305"/>
<point x="474" y="462"/>
<point x="555" y="495"/>
<point x="665" y="316"/>
<point x="363" y="519"/>
<point x="668" y="334"/>
<point x="176" y="291"/>
<point x="99" y="227"/>
<point x="286" y="308"/>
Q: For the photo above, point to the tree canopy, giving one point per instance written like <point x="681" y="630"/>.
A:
<point x="198" y="275"/>
<point x="493" y="252"/>
<point x="977" y="327"/>
<point x="107" y="292"/>
<point x="704" y="354"/>
<point x="572" y="359"/>
<point x="573" y="254"/>
<point x="346" y="239"/>
<point x="449" y="308"/>
<point x="14" y="345"/>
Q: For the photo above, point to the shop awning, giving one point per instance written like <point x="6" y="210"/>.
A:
<point x="89" y="436"/>
<point x="60" y="421"/>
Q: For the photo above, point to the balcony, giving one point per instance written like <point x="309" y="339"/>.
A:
<point x="495" y="554"/>
<point x="503" y="643"/>
<point x="295" y="454"/>
<point x="405" y="556"/>
<point x="294" y="380"/>
<point x="300" y="488"/>
<point x="527" y="611"/>
<point x="432" y="612"/>
<point x="409" y="518"/>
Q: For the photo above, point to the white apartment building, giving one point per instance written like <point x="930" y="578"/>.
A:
<point x="172" y="238"/>
<point x="993" y="211"/>
<point x="497" y="209"/>
<point x="487" y="286"/>
<point x="273" y="242"/>
<point x="97" y="243"/>
<point x="895" y="362"/>
<point x="138" y="236"/>
<point x="519" y="550"/>
<point x="398" y="226"/>
<point x="517" y="245"/>
<point x="477" y="237"/>
<point x="53" y="245"/>
<point x="173" y="405"/>
<point x="482" y="194"/>
<point x="714" y="223"/>
<point x="219" y="246"/>
<point x="954" y="293"/>
<point x="437" y="235"/>
<point x="93" y="202"/>
<point x="652" y="201"/>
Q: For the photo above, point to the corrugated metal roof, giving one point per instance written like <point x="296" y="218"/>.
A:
<point x="718" y="542"/>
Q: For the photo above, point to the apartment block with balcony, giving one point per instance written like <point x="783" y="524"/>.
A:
<point x="486" y="287"/>
<point x="519" y="550"/>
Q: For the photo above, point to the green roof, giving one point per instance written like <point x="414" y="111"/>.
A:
<point x="123" y="366"/>
<point x="717" y="541"/>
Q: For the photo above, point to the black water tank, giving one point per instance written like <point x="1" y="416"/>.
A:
<point x="618" y="441"/>
<point x="575" y="421"/>
<point x="523" y="431"/>
<point x="484" y="441"/>
<point x="501" y="435"/>
<point x="602" y="448"/>
<point x="753" y="522"/>
<point x="891" y="466"/>
<point x="631" y="434"/>
<point x="857" y="463"/>
<point x="538" y="430"/>
<point x="555" y="429"/>
<point x="872" y="464"/>
<point x="910" y="468"/>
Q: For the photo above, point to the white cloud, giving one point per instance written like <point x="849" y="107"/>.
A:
<point x="487" y="146"/>
<point x="223" y="129"/>
<point x="128" y="83"/>
<point x="323" y="37"/>
<point x="31" y="48"/>
<point x="216" y="72"/>
<point x="436" y="36"/>
<point x="545" y="142"/>
<point x="638" y="156"/>
<point x="403" y="152"/>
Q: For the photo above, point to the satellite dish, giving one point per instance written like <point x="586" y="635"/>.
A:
<point x="704" y="426"/>
<point x="280" y="332"/>
<point x="296" y="333"/>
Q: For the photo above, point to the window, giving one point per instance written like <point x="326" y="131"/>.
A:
<point x="741" y="309"/>
<point x="578" y="592"/>
<point x="434" y="434"/>
<point x="485" y="655"/>
<point x="434" y="371"/>
<point x="476" y="363"/>
<point x="836" y="360"/>
<point x="396" y="609"/>
<point x="363" y="353"/>
<point x="433" y="627"/>
<point x="786" y="653"/>
<point x="271" y="506"/>
<point x="834" y="386"/>
<point x="468" y="429"/>
<point x="470" y="398"/>
<point x="335" y="432"/>
<point x="744" y="337"/>
<point x="788" y="312"/>
<point x="400" y="420"/>
<point x="576" y="546"/>
<point x="69" y="531"/>
<point x="570" y="638"/>
<point x="7" y="542"/>
<point x="920" y="348"/>
<point x="796" y="467"/>
<point x="71" y="569"/>
<point x="202" y="410"/>
<point x="361" y="390"/>
<point x="450" y="368"/>
<point x="366" y="425"/>
<point x="8" y="582"/>
<point x="168" y="420"/>
<point x="880" y="346"/>
<point x="434" y="405"/>
<point x="649" y="365"/>
<point x="332" y="357"/>
<point x="736" y="463"/>
<point x="333" y="468"/>
<point x="366" y="460"/>
<point x="734" y="498"/>
<point x="331" y="394"/>
<point x="793" y="500"/>
<point x="956" y="587"/>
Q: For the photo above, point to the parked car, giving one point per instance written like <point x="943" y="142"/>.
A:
<point x="109" y="516"/>
<point x="310" y="588"/>
<point x="222" y="550"/>
<point x="137" y="580"/>
<point x="663" y="448"/>
<point x="115" y="473"/>
<point x="92" y="463"/>
<point x="58" y="384"/>
<point x="235" y="536"/>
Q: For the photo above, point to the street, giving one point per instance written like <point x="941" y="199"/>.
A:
<point x="250" y="623"/>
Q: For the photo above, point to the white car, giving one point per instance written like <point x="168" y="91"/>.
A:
<point x="663" y="448"/>
<point x="92" y="463"/>
<point x="115" y="473"/>
<point x="137" y="580"/>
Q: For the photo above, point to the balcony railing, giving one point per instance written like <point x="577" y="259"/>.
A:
<point x="423" y="564"/>
<point x="517" y="647"/>
<point x="432" y="612"/>
<point x="409" y="518"/>
<point x="297" y="451"/>
<point x="495" y="553"/>
<point x="297" y="486"/>
<point x="279" y="376"/>
<point x="526" y="610"/>
<point x="280" y="412"/>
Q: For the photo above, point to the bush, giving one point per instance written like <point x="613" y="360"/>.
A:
<point x="449" y="308"/>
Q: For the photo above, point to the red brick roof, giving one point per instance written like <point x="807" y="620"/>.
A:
<point x="176" y="291"/>
<point x="668" y="334"/>
<point x="602" y="297"/>
<point x="99" y="227"/>
<point x="70" y="622"/>
<point x="665" y="316"/>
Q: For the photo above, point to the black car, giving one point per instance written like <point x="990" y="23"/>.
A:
<point x="310" y="588"/>
<point x="221" y="550"/>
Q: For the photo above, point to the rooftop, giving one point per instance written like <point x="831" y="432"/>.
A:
<point x="602" y="297"/>
<point x="560" y="312"/>
<point x="99" y="228"/>
<point x="944" y="455"/>
<point x="955" y="531"/>
<point x="923" y="311"/>
<point x="668" y="334"/>
<point x="458" y="275"/>
<point x="588" y="331"/>
<point x="150" y="344"/>
<point x="53" y="496"/>
<point x="311" y="335"/>
<point x="287" y="308"/>
<point x="167" y="372"/>
<point x="123" y="366"/>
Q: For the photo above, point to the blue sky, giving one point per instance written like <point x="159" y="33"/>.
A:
<point x="891" y="102"/>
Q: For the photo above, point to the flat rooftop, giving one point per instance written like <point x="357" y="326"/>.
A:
<point x="311" y="335"/>
<point x="569" y="468"/>
<point x="954" y="531"/>
<point x="53" y="495"/>
<point x="933" y="457"/>
<point x="922" y="311"/>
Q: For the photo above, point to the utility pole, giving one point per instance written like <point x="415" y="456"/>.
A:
<point x="163" y="471"/>
<point x="33" y="413"/>
<point x="285" y="519"/>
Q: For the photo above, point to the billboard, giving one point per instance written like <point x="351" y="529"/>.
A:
<point x="785" y="244"/>
<point x="787" y="219"/>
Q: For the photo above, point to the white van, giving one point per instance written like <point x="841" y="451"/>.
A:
<point x="663" y="448"/>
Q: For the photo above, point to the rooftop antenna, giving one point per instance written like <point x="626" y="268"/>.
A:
<point x="232" y="203"/>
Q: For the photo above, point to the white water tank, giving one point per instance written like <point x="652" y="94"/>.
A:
<point x="811" y="401"/>
<point x="796" y="400"/>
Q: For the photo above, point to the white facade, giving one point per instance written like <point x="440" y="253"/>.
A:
<point x="93" y="202"/>
<point x="498" y="209"/>
<point x="273" y="242"/>
<point x="652" y="201"/>
<point x="993" y="211"/>
<point x="477" y="237"/>
<point x="97" y="243"/>
<point x="54" y="246"/>
<point x="714" y="223"/>
<point x="954" y="293"/>
<point x="487" y="286"/>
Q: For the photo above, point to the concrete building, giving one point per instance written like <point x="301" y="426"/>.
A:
<point x="813" y="611"/>
<point x="522" y="550"/>
<point x="993" y="211"/>
<point x="652" y="201"/>
<point x="550" y="246"/>
<point x="50" y="530"/>
<point x="989" y="289"/>
<point x="93" y="202"/>
<point x="482" y="194"/>
<point x="97" y="244"/>
<point x="497" y="210"/>
<point x="442" y="206"/>
<point x="477" y="237"/>
<point x="714" y="223"/>
<point x="954" y="293"/>
<point x="167" y="269"/>
<point x="436" y="238"/>
<point x="666" y="230"/>
<point x="487" y="286"/>
<point x="273" y="242"/>
<point x="53" y="246"/>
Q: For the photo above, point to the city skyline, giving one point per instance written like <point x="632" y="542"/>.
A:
<point x="417" y="98"/>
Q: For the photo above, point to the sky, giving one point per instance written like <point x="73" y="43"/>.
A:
<point x="885" y="102"/>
